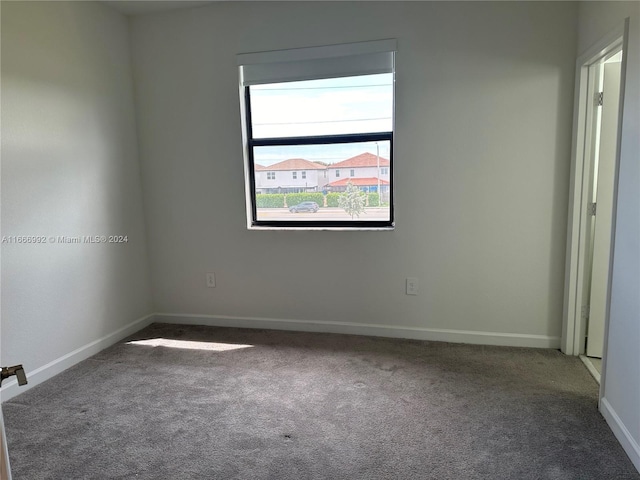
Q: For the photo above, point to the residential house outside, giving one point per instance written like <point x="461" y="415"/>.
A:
<point x="295" y="175"/>
<point x="366" y="171"/>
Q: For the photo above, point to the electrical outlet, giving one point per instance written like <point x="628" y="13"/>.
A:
<point x="412" y="286"/>
<point x="211" y="280"/>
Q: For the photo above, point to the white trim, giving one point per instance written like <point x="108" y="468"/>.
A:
<point x="332" y="229"/>
<point x="603" y="47"/>
<point x="573" y="326"/>
<point x="10" y="389"/>
<point x="629" y="444"/>
<point x="592" y="370"/>
<point x="391" y="331"/>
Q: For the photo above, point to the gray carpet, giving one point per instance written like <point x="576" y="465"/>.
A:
<point x="313" y="406"/>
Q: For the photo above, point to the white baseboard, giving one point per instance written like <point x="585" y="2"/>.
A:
<point x="629" y="444"/>
<point x="393" y="331"/>
<point x="10" y="389"/>
<point x="592" y="370"/>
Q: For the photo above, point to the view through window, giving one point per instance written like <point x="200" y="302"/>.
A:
<point x="321" y="151"/>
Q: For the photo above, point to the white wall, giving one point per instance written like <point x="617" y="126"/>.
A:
<point x="360" y="172"/>
<point x="284" y="178"/>
<point x="484" y="107"/>
<point x="69" y="167"/>
<point x="621" y="392"/>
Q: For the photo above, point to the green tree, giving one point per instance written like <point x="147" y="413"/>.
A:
<point x="352" y="200"/>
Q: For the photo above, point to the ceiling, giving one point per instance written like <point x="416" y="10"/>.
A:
<point x="139" y="7"/>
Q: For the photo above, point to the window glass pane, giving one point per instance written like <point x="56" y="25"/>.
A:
<point x="362" y="104"/>
<point x="318" y="196"/>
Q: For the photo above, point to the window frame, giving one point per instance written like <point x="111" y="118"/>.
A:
<point x="311" y="63"/>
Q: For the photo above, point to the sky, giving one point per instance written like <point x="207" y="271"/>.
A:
<point x="362" y="104"/>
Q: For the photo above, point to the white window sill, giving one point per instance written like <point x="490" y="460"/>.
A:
<point x="339" y="229"/>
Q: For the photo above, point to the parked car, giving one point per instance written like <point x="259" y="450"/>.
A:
<point x="304" y="207"/>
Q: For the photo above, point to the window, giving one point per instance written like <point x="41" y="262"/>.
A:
<point x="384" y="171"/>
<point x="313" y="109"/>
<point x="271" y="175"/>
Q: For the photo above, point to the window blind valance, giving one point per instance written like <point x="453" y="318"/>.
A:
<point x="332" y="61"/>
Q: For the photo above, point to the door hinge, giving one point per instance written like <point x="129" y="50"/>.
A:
<point x="599" y="98"/>
<point x="591" y="209"/>
<point x="585" y="311"/>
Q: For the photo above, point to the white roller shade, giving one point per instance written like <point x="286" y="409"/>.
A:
<point x="346" y="60"/>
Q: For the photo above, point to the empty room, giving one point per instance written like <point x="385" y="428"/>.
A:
<point x="320" y="240"/>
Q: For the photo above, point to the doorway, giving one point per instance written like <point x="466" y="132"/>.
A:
<point x="607" y="74"/>
<point x="597" y="120"/>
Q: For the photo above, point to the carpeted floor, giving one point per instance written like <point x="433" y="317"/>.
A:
<point x="257" y="404"/>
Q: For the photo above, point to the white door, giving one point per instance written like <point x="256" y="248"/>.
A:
<point x="604" y="209"/>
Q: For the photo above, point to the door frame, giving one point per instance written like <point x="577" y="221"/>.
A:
<point x="579" y="222"/>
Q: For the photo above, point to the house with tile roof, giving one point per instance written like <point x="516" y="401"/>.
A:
<point x="294" y="175"/>
<point x="367" y="171"/>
